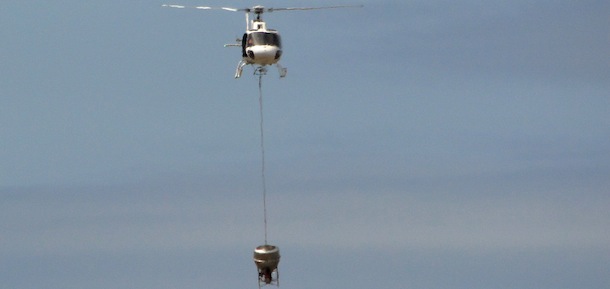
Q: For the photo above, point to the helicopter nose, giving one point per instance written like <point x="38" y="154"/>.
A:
<point x="265" y="55"/>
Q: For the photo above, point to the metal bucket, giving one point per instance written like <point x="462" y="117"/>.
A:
<point x="267" y="257"/>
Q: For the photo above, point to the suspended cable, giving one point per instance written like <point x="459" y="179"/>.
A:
<point x="261" y="72"/>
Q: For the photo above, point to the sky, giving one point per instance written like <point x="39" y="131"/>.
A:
<point x="413" y="144"/>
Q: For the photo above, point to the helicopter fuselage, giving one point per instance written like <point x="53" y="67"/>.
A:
<point x="261" y="46"/>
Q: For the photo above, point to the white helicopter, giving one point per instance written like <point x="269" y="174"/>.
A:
<point x="260" y="46"/>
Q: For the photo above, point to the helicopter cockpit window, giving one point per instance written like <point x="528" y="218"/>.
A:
<point x="264" y="38"/>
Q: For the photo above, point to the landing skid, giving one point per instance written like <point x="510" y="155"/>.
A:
<point x="240" y="68"/>
<point x="283" y="71"/>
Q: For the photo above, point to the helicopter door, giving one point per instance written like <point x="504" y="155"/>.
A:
<point x="243" y="45"/>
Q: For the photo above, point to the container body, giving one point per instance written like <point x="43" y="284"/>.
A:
<point x="267" y="257"/>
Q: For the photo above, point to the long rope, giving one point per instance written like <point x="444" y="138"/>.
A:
<point x="260" y="103"/>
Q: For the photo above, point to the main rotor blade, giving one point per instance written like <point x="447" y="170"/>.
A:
<point x="312" y="8"/>
<point x="202" y="7"/>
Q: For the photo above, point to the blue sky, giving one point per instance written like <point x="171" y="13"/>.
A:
<point x="413" y="144"/>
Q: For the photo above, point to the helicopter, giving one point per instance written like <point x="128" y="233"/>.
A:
<point x="260" y="46"/>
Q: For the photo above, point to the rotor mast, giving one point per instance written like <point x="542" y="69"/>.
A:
<point x="257" y="11"/>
